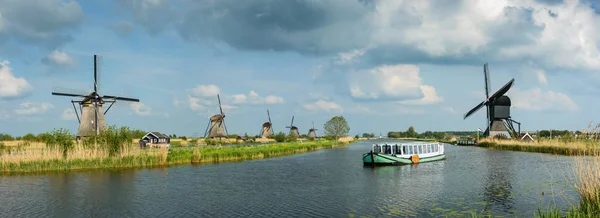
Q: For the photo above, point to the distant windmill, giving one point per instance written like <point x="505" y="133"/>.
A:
<point x="92" y="120"/>
<point x="499" y="121"/>
<point x="293" y="129"/>
<point x="312" y="133"/>
<point x="216" y="125"/>
<point x="267" y="127"/>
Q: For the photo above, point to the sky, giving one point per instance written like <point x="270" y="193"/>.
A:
<point x="384" y="65"/>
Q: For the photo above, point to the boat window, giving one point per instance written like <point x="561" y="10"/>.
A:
<point x="428" y="148"/>
<point x="435" y="148"/>
<point x="404" y="149"/>
<point x="410" y="150"/>
<point x="419" y="149"/>
<point x="376" y="148"/>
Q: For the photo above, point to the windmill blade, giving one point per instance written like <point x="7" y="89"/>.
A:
<point x="503" y="90"/>
<point x="292" y="124"/>
<point x="269" y="115"/>
<point x="121" y="98"/>
<point x="486" y="75"/>
<point x="95" y="73"/>
<point x="475" y="109"/>
<point x="225" y="126"/>
<point x="69" y="92"/>
<point x="220" y="108"/>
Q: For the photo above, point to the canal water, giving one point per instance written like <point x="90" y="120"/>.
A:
<point x="325" y="183"/>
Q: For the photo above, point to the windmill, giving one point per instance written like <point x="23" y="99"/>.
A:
<point x="312" y="133"/>
<point x="267" y="127"/>
<point x="216" y="125"/>
<point x="499" y="121"/>
<point x="92" y="120"/>
<point x="293" y="129"/>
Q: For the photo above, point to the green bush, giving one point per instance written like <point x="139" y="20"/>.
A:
<point x="6" y="137"/>
<point x="185" y="138"/>
<point x="279" y="137"/>
<point x="290" y="138"/>
<point x="61" y="139"/>
<point x="29" y="137"/>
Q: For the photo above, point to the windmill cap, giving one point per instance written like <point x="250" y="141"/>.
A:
<point x="502" y="101"/>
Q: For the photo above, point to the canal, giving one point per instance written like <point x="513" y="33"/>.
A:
<point x="325" y="183"/>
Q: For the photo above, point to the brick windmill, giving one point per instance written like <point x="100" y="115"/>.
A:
<point x="312" y="133"/>
<point x="499" y="121"/>
<point x="216" y="125"/>
<point x="267" y="127"/>
<point x="92" y="120"/>
<point x="293" y="129"/>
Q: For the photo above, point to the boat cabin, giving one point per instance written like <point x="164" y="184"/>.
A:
<point x="408" y="150"/>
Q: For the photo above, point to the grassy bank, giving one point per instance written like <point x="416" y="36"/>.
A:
<point x="553" y="146"/>
<point x="110" y="153"/>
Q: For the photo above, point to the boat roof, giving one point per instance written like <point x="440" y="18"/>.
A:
<point x="407" y="143"/>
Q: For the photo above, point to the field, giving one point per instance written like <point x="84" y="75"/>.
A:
<point x="118" y="148"/>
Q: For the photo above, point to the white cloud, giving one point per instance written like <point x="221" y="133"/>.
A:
<point x="28" y="108"/>
<point x="11" y="86"/>
<point x="205" y="91"/>
<point x="349" y="57"/>
<point x="541" y="76"/>
<point x="322" y="105"/>
<point x="392" y="83"/>
<point x="58" y="58"/>
<point x="68" y="114"/>
<point x="449" y="109"/>
<point x="141" y="109"/>
<point x="255" y="98"/>
<point x="535" y="99"/>
<point x="430" y="96"/>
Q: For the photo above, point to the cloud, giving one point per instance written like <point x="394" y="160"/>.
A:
<point x="323" y="105"/>
<point x="536" y="100"/>
<point x="48" y="28"/>
<point x="256" y="99"/>
<point x="28" y="108"/>
<point x="141" y="109"/>
<point x="386" y="83"/>
<point x="12" y="87"/>
<point x="561" y="35"/>
<point x="205" y="91"/>
<point x="541" y="76"/>
<point x="154" y="15"/>
<point x="429" y="97"/>
<point x="58" y="59"/>
<point x="121" y="28"/>
<point x="68" y="114"/>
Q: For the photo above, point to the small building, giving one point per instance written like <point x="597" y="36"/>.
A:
<point x="155" y="139"/>
<point x="526" y="137"/>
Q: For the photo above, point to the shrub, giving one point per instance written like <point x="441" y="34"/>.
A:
<point x="29" y="137"/>
<point x="184" y="138"/>
<point x="61" y="139"/>
<point x="279" y="137"/>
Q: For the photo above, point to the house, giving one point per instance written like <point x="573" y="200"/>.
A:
<point x="526" y="137"/>
<point x="155" y="139"/>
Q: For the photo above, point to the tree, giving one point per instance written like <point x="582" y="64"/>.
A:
<point x="411" y="132"/>
<point x="336" y="127"/>
<point x="366" y="135"/>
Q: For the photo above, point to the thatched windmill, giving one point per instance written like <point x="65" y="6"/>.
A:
<point x="216" y="126"/>
<point x="312" y="133"/>
<point x="267" y="127"/>
<point x="92" y="120"/>
<point x="293" y="129"/>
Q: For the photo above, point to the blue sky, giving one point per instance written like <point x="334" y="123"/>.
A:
<point x="383" y="64"/>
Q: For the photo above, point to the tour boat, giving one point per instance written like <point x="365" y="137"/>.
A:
<point x="406" y="153"/>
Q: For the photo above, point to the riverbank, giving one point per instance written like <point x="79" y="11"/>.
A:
<point x="552" y="146"/>
<point x="38" y="158"/>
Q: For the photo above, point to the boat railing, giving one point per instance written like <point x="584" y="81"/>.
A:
<point x="404" y="148"/>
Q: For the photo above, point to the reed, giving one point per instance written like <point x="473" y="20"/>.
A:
<point x="85" y="157"/>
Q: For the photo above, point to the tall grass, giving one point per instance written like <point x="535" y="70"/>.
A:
<point x="100" y="156"/>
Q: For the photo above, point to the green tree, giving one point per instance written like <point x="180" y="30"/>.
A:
<point x="183" y="138"/>
<point x="366" y="135"/>
<point x="336" y="127"/>
<point x="411" y="132"/>
<point x="29" y="137"/>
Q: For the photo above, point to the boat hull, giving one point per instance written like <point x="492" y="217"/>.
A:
<point x="386" y="159"/>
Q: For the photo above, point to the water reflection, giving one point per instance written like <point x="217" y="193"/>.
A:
<point x="497" y="190"/>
